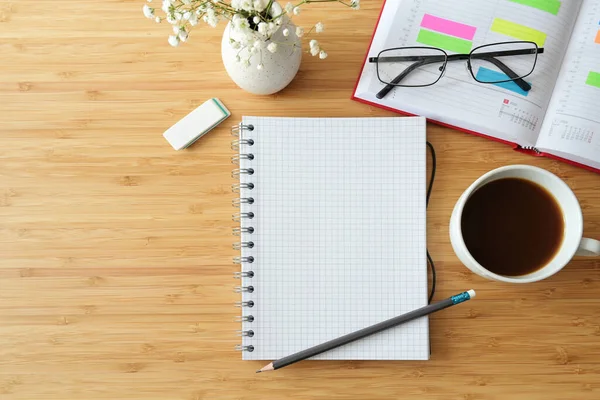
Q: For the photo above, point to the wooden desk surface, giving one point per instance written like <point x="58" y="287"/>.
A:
<point x="115" y="267"/>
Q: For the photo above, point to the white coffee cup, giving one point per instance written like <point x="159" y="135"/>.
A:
<point x="573" y="241"/>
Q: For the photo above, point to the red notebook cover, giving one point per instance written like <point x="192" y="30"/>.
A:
<point x="515" y="146"/>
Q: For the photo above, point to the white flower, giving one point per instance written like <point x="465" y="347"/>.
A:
<point x="272" y="47"/>
<point x="236" y="4"/>
<point x="260" y="5"/>
<point x="210" y="20"/>
<point x="355" y="4"/>
<point x="148" y="11"/>
<point x="186" y="2"/>
<point x="166" y="6"/>
<point x="238" y="58"/>
<point x="149" y="1"/>
<point x="286" y="32"/>
<point x="322" y="55"/>
<point x="263" y="28"/>
<point x="171" y="19"/>
<point x="157" y="20"/>
<point x="246" y="5"/>
<point x="183" y="35"/>
<point x="247" y="62"/>
<point x="256" y="20"/>
<point x="240" y="23"/>
<point x="257" y="44"/>
<point x="314" y="47"/>
<point x="299" y="31"/>
<point x="176" y="29"/>
<point x="235" y="44"/>
<point x="289" y="8"/>
<point x="296" y="10"/>
<point x="260" y="66"/>
<point x="272" y="26"/>
<point x="319" y="27"/>
<point x="173" y="40"/>
<point x="187" y="15"/>
<point x="193" y="19"/>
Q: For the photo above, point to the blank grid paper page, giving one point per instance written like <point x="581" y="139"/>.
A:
<point x="339" y="235"/>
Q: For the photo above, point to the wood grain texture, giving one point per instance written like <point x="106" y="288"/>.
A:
<point x="115" y="267"/>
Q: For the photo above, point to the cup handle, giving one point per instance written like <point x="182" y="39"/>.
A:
<point x="588" y="247"/>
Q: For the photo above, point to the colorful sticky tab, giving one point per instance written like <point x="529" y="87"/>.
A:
<point x="445" y="42"/>
<point x="593" y="79"/>
<point x="518" y="31"/>
<point x="551" y="6"/>
<point x="597" y="37"/>
<point x="446" y="26"/>
<point x="488" y="75"/>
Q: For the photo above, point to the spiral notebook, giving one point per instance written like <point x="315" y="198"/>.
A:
<point x="331" y="234"/>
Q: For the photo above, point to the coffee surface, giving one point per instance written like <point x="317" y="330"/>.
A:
<point x="512" y="226"/>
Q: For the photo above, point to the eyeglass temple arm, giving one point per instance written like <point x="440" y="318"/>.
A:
<point x="383" y="92"/>
<point x="511" y="74"/>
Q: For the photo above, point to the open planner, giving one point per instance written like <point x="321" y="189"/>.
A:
<point x="332" y="235"/>
<point x="557" y="118"/>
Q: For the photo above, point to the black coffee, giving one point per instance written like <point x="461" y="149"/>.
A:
<point x="512" y="226"/>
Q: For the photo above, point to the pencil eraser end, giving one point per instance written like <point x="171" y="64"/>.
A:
<point x="471" y="293"/>
<point x="196" y="124"/>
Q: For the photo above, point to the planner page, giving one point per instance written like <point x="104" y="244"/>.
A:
<point x="501" y="110"/>
<point x="572" y="126"/>
<point x="338" y="235"/>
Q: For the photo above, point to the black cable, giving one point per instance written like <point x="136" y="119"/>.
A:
<point x="429" y="188"/>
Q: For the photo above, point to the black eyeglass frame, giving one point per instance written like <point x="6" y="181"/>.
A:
<point x="444" y="58"/>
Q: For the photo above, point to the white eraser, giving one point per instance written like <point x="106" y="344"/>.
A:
<point x="471" y="293"/>
<point x="196" y="124"/>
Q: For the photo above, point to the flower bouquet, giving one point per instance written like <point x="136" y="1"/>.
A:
<point x="257" y="30"/>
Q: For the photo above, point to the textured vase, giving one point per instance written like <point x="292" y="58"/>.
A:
<point x="279" y="68"/>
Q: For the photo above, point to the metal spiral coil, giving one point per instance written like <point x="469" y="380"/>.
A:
<point x="236" y="159"/>
<point x="241" y="289"/>
<point x="236" y="187"/>
<point x="244" y="160"/>
<point x="241" y="304"/>
<point x="237" y="217"/>
<point x="236" y="129"/>
<point x="243" y="260"/>
<point x="239" y="231"/>
<point x="243" y="274"/>
<point x="235" y="145"/>
<point x="242" y="171"/>
<point x="241" y="245"/>
<point x="239" y="347"/>
<point x="237" y="202"/>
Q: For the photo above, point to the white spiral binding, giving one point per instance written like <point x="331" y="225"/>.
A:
<point x="245" y="158"/>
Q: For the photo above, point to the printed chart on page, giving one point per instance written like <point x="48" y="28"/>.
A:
<point x="575" y="123"/>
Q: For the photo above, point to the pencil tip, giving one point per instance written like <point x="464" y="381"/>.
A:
<point x="259" y="371"/>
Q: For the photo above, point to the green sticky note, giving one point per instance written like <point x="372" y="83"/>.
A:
<point x="518" y="31"/>
<point x="551" y="6"/>
<point x="593" y="79"/>
<point x="445" y="42"/>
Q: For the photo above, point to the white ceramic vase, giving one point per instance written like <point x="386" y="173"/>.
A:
<point x="279" y="68"/>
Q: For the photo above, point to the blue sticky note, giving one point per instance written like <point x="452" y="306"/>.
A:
<point x="485" y="74"/>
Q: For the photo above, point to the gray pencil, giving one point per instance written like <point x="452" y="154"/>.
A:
<point x="381" y="326"/>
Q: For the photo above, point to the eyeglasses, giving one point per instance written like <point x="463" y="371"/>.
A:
<point x="425" y="66"/>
